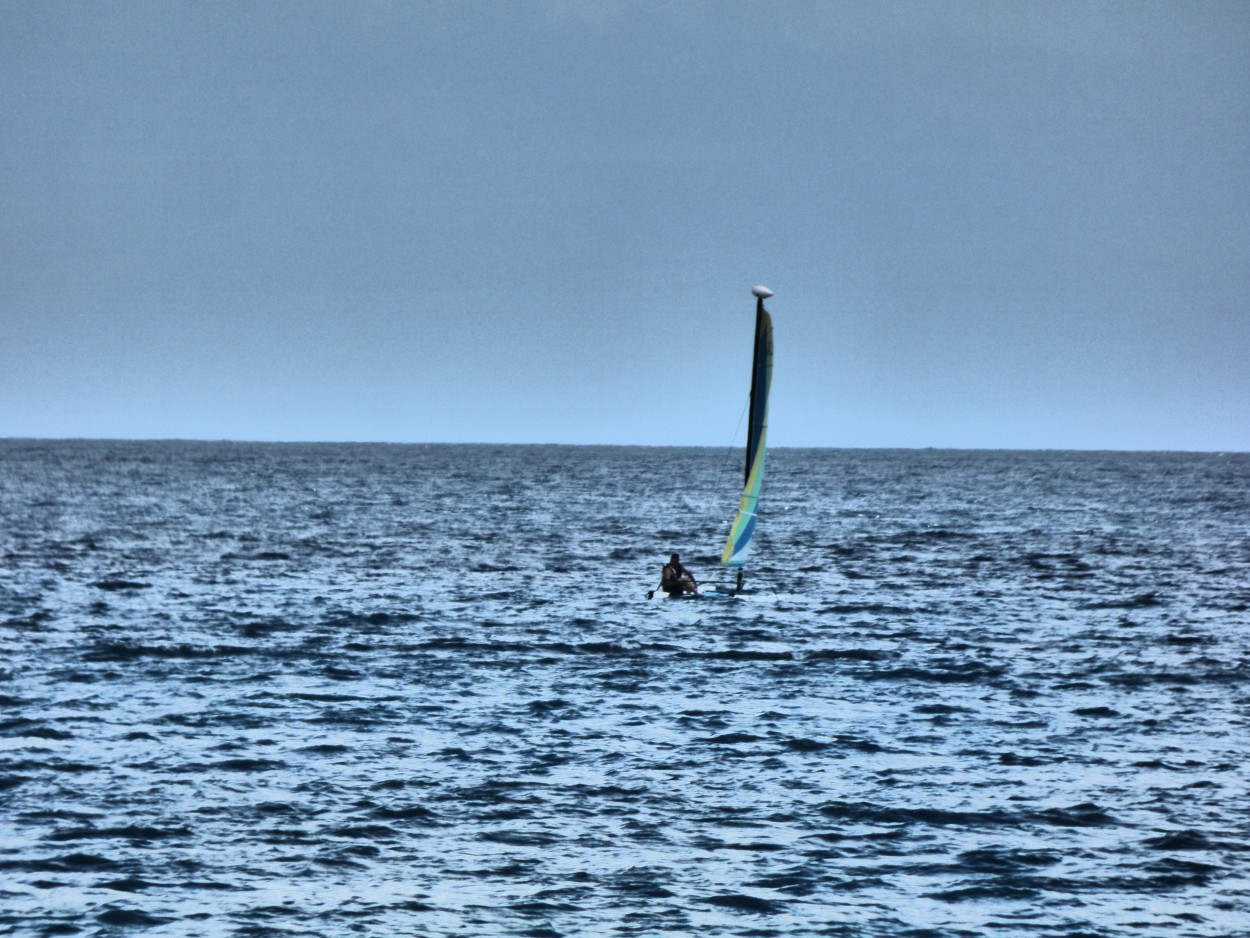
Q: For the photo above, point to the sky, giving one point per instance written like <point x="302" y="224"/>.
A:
<point x="987" y="224"/>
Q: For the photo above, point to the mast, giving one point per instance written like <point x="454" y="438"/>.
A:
<point x="743" y="528"/>
<point x="759" y="361"/>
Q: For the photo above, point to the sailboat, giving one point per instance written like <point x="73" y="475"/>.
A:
<point x="743" y="530"/>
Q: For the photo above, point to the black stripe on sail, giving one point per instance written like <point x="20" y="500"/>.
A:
<point x="759" y="387"/>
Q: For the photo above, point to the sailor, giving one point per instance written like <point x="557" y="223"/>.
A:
<point x="676" y="579"/>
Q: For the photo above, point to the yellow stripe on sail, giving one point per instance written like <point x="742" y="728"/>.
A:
<point x="744" y="520"/>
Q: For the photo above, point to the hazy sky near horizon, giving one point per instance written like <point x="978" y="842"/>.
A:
<point x="987" y="224"/>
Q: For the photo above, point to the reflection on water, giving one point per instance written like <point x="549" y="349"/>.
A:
<point x="280" y="689"/>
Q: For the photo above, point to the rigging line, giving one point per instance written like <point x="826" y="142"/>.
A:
<point x="729" y="451"/>
<point x="711" y="513"/>
<point x="732" y="443"/>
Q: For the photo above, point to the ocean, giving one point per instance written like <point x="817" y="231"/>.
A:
<point x="319" y="690"/>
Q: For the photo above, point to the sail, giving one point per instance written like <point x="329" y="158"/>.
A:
<point x="743" y="528"/>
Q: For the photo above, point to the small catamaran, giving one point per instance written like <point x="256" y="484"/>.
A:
<point x="734" y="555"/>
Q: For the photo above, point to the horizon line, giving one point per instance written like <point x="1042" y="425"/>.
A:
<point x="483" y="443"/>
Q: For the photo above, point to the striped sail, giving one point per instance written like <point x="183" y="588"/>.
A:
<point x="743" y="528"/>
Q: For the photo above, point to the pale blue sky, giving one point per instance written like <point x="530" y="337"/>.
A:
<point x="987" y="224"/>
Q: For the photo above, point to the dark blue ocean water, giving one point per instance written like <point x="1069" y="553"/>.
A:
<point x="324" y="690"/>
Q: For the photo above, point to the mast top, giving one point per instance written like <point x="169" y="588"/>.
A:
<point x="762" y="292"/>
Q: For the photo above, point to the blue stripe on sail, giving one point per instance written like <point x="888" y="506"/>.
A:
<point x="742" y="542"/>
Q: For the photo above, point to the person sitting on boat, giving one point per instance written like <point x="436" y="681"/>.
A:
<point x="676" y="579"/>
